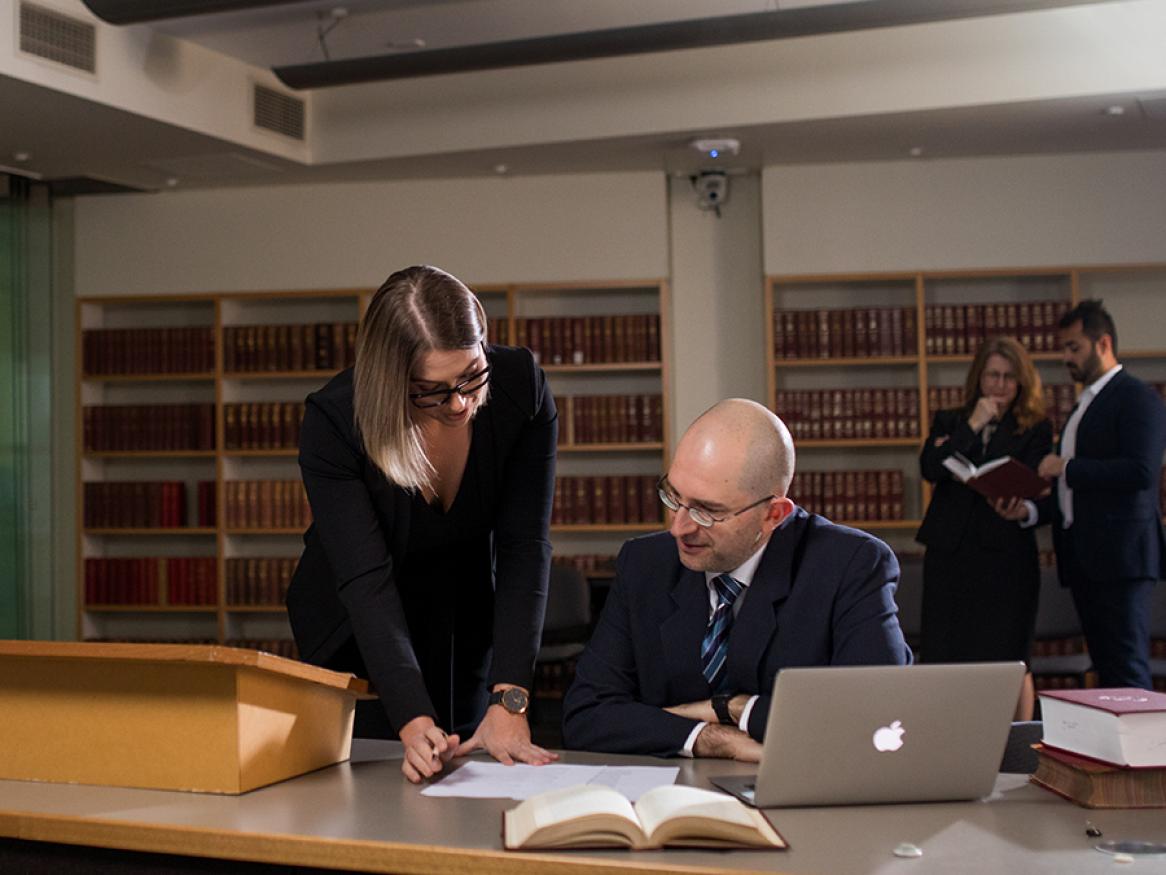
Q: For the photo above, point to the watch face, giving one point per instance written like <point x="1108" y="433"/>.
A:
<point x="515" y="700"/>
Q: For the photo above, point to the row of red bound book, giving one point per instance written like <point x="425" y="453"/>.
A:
<point x="610" y="419"/>
<point x="151" y="580"/>
<point x="597" y="564"/>
<point x="959" y="329"/>
<point x="581" y="340"/>
<point x="262" y="425"/>
<point x="859" y="332"/>
<point x="854" y="496"/>
<point x="845" y="414"/>
<point x="320" y="346"/>
<point x="136" y="427"/>
<point x="141" y="504"/>
<point x="259" y="580"/>
<point x="266" y="504"/>
<point x="615" y="500"/>
<point x="124" y="351"/>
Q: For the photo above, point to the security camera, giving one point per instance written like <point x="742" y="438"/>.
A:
<point x="712" y="189"/>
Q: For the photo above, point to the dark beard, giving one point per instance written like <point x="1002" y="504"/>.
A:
<point x="1089" y="371"/>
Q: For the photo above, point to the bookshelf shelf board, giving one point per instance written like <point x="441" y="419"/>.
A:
<point x="654" y="447"/>
<point x="608" y="527"/>
<point x="843" y="443"/>
<point x="256" y="609"/>
<point x="881" y="524"/>
<point x="252" y="454"/>
<point x="298" y="530"/>
<point x="280" y="375"/>
<point x="151" y="609"/>
<point x="882" y="360"/>
<point x="1140" y="354"/>
<point x="602" y="367"/>
<point x="164" y="532"/>
<point x="965" y="359"/>
<point x="149" y="454"/>
<point x="190" y="376"/>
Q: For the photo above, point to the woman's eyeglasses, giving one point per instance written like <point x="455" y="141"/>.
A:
<point x="439" y="397"/>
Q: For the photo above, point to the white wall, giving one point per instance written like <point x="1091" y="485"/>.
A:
<point x="978" y="212"/>
<point x="717" y="319"/>
<point x="586" y="227"/>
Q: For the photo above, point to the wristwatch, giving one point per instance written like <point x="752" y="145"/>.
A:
<point x="721" y="709"/>
<point x="513" y="699"/>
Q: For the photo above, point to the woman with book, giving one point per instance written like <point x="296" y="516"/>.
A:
<point x="429" y="468"/>
<point x="981" y="573"/>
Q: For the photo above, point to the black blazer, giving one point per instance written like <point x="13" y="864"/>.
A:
<point x="822" y="595"/>
<point x="1114" y="474"/>
<point x="345" y="587"/>
<point x="957" y="512"/>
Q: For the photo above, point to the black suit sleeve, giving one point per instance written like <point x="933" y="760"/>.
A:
<point x="356" y="545"/>
<point x="952" y="425"/>
<point x="522" y="541"/>
<point x="602" y="710"/>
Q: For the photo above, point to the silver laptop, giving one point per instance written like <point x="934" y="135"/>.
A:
<point x="851" y="735"/>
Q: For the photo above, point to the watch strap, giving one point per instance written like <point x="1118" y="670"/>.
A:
<point x="721" y="709"/>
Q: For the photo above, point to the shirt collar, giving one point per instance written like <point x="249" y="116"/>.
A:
<point x="1097" y="385"/>
<point x="744" y="572"/>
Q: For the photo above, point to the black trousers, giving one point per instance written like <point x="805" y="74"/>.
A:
<point x="1115" y="617"/>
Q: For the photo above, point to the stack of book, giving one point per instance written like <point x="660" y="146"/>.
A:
<point x="1104" y="748"/>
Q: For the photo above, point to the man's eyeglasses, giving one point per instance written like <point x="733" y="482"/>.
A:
<point x="698" y="515"/>
<point x="439" y="397"/>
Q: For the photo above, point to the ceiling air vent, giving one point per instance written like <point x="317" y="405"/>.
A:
<point x="48" y="34"/>
<point x="275" y="111"/>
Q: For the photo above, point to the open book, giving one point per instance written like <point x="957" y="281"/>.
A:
<point x="591" y="816"/>
<point x="1000" y="478"/>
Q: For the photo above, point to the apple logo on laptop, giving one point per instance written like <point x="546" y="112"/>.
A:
<point x="889" y="738"/>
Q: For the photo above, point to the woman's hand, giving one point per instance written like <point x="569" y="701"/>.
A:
<point x="427" y="748"/>
<point x="506" y="737"/>
<point x="985" y="411"/>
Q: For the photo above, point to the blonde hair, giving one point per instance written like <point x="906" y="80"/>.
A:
<point x="417" y="310"/>
<point x="1029" y="406"/>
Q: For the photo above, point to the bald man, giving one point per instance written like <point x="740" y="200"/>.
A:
<point x="701" y="618"/>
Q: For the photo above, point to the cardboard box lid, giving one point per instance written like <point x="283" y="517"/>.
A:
<point x="212" y="654"/>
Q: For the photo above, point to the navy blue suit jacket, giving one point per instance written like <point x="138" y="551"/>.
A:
<point x="1114" y="474"/>
<point x="822" y="595"/>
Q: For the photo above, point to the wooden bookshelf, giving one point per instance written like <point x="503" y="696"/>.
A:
<point x="259" y="315"/>
<point x="1127" y="290"/>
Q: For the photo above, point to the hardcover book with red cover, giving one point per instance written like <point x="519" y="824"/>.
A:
<point x="1122" y="726"/>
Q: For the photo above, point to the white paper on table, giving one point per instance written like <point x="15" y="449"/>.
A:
<point x="520" y="781"/>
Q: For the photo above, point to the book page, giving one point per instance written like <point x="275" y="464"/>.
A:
<point x="664" y="803"/>
<point x="579" y="816"/>
<point x="962" y="471"/>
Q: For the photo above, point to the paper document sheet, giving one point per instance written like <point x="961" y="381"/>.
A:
<point x="495" y="781"/>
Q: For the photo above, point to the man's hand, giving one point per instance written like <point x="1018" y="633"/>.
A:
<point x="427" y="748"/>
<point x="1051" y="466"/>
<point x="703" y="710"/>
<point x="506" y="737"/>
<point x="728" y="743"/>
<point x="1010" y="508"/>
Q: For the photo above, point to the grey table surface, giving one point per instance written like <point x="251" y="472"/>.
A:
<point x="362" y="814"/>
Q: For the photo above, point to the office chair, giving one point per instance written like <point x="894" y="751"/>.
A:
<point x="1019" y="757"/>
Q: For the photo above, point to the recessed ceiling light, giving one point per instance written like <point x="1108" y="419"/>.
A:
<point x="501" y="169"/>
<point x="1115" y="109"/>
<point x="20" y="157"/>
<point x="172" y="182"/>
<point x="717" y="147"/>
<point x="916" y="152"/>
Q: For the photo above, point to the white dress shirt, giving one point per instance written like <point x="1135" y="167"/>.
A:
<point x="743" y="574"/>
<point x="1068" y="450"/>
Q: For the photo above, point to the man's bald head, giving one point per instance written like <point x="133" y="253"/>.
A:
<point x="745" y="441"/>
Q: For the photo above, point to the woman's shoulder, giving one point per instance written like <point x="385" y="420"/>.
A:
<point x="334" y="398"/>
<point x="516" y="378"/>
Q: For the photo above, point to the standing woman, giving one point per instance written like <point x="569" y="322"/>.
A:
<point x="430" y="470"/>
<point x="981" y="573"/>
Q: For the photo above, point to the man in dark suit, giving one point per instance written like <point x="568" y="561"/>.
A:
<point x="1107" y="526"/>
<point x="700" y="619"/>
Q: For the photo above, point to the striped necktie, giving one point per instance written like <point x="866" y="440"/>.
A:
<point x="715" y="646"/>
